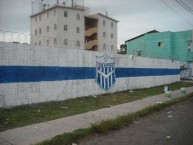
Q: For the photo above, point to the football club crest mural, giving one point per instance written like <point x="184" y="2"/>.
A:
<point x="105" y="72"/>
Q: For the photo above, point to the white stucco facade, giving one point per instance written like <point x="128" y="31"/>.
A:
<point x="64" y="26"/>
<point x="107" y="32"/>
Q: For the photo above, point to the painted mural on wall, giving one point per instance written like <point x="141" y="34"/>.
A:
<point x="105" y="72"/>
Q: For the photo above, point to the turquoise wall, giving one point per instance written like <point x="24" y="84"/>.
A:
<point x="175" y="45"/>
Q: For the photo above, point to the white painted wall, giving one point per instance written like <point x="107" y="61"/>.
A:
<point x="14" y="94"/>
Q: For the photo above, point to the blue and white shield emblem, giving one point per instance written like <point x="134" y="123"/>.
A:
<point x="105" y="72"/>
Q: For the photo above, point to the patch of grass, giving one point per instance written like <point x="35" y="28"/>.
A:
<point x="109" y="125"/>
<point x="68" y="138"/>
<point x="113" y="124"/>
<point x="30" y="114"/>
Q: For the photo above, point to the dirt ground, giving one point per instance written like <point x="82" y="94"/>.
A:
<point x="171" y="126"/>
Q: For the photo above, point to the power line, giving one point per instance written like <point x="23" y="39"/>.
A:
<point x="176" y="13"/>
<point x="184" y="6"/>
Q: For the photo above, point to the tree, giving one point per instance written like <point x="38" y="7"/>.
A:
<point x="123" y="49"/>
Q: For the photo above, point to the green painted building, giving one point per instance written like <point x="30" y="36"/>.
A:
<point x="165" y="45"/>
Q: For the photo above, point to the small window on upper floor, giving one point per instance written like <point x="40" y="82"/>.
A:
<point x="77" y="30"/>
<point x="47" y="43"/>
<point x="111" y="24"/>
<point x="65" y="14"/>
<point x="104" y="34"/>
<point x="103" y="22"/>
<point x="160" y="44"/>
<point x="189" y="46"/>
<point x="40" y="43"/>
<point x="55" y="27"/>
<point x="104" y="46"/>
<point x="48" y="28"/>
<point x="55" y="41"/>
<point x="65" y="42"/>
<point x="112" y="36"/>
<point x="40" y="31"/>
<point x="78" y="43"/>
<point x="65" y="27"/>
<point x="77" y="16"/>
<point x="40" y="17"/>
<point x="36" y="32"/>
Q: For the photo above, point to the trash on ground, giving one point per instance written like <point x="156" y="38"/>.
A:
<point x="168" y="137"/>
<point x="169" y="112"/>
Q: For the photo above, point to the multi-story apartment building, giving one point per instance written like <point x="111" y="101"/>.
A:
<point x="73" y="27"/>
<point x="165" y="45"/>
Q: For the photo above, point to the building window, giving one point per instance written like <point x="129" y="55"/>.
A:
<point x="112" y="47"/>
<point x="40" y="31"/>
<point x="160" y="44"/>
<point x="103" y="22"/>
<point x="77" y="30"/>
<point x="65" y="27"/>
<point x="188" y="46"/>
<point x="78" y="16"/>
<point x="104" y="46"/>
<point x="55" y="27"/>
<point x="111" y="24"/>
<point x="48" y="28"/>
<point x="112" y="36"/>
<point x="47" y="14"/>
<point x="78" y="43"/>
<point x="104" y="34"/>
<point x="65" y="14"/>
<point x="65" y="42"/>
<point x="40" y="17"/>
<point x="36" y="32"/>
<point x="47" y="43"/>
<point x="39" y="42"/>
<point x="36" y="19"/>
<point x="55" y="41"/>
<point x="35" y="43"/>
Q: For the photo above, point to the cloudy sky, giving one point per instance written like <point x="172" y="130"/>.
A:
<point x="135" y="16"/>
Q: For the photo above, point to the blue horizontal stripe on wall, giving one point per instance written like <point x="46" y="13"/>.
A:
<point x="13" y="74"/>
<point x="140" y="72"/>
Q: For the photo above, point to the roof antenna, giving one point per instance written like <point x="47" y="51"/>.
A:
<point x="106" y="13"/>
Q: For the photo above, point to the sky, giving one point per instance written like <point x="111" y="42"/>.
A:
<point x="135" y="16"/>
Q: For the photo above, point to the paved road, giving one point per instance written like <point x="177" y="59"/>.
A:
<point x="171" y="126"/>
